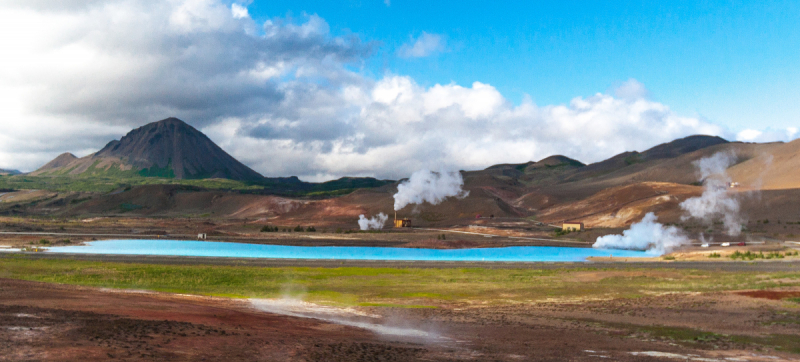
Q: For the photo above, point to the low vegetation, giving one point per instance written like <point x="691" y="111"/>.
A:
<point x="694" y="338"/>
<point x="760" y="255"/>
<point x="407" y="286"/>
<point x="105" y="182"/>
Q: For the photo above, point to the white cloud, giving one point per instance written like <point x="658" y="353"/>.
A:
<point x="748" y="135"/>
<point x="767" y="135"/>
<point x="239" y="11"/>
<point x="280" y="95"/>
<point x="393" y="126"/>
<point x="112" y="65"/>
<point x="631" y="89"/>
<point x="426" y="45"/>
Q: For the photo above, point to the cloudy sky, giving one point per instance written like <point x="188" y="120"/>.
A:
<point x="324" y="89"/>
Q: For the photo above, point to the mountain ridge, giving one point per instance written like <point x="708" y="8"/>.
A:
<point x="169" y="148"/>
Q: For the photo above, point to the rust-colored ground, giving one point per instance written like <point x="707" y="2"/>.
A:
<point x="771" y="294"/>
<point x="41" y="321"/>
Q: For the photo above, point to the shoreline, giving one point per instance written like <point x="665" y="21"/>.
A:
<point x="605" y="263"/>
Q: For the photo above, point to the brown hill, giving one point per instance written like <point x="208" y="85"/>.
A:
<point x="60" y="161"/>
<point x="613" y="193"/>
<point x="774" y="167"/>
<point x="167" y="148"/>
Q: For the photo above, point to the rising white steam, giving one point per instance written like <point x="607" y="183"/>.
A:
<point x="428" y="186"/>
<point x="715" y="202"/>
<point x="343" y="316"/>
<point x="374" y="223"/>
<point x="645" y="235"/>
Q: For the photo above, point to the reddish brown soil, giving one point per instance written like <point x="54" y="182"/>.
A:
<point x="61" y="323"/>
<point x="443" y="244"/>
<point x="771" y="294"/>
<point x="41" y="321"/>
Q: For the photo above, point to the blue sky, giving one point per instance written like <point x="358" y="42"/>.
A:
<point x="734" y="63"/>
<point x="325" y="89"/>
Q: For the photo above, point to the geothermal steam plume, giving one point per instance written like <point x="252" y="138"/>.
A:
<point x="716" y="201"/>
<point x="374" y="223"/>
<point x="428" y="186"/>
<point x="645" y="235"/>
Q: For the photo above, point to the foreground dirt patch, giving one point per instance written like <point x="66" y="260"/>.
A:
<point x="40" y="321"/>
<point x="61" y="323"/>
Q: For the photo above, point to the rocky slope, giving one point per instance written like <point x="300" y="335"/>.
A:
<point x="167" y="148"/>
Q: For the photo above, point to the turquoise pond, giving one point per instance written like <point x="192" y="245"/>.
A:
<point x="240" y="250"/>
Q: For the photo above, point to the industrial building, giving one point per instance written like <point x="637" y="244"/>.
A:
<point x="572" y="226"/>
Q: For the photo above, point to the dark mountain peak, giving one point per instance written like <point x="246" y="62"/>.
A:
<point x="4" y="172"/>
<point x="556" y="160"/>
<point x="60" y="161"/>
<point x="503" y="166"/>
<point x="682" y="146"/>
<point x="173" y="148"/>
<point x="171" y="120"/>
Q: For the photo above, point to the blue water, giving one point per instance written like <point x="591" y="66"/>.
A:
<point x="219" y="249"/>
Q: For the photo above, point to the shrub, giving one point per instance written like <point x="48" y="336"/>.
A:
<point x="669" y="257"/>
<point x="268" y="228"/>
<point x="714" y="255"/>
<point x="338" y="230"/>
<point x="298" y="228"/>
<point x="44" y="242"/>
<point x="311" y="229"/>
<point x="561" y="232"/>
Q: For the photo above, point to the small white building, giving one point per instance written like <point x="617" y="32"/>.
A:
<point x="201" y="236"/>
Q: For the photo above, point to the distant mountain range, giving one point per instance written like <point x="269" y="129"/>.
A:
<point x="173" y="149"/>
<point x="4" y="172"/>
<point x="610" y="193"/>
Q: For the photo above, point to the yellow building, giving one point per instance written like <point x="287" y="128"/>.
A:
<point x="402" y="223"/>
<point x="572" y="226"/>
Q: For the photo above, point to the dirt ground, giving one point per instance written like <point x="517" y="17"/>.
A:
<point x="43" y="232"/>
<point x="41" y="321"/>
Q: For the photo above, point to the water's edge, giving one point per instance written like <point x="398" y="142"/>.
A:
<point x="225" y="249"/>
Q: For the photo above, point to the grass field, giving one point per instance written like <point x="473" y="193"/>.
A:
<point x="104" y="183"/>
<point x="385" y="286"/>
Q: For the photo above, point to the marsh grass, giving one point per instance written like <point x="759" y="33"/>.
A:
<point x="396" y="286"/>
<point x="694" y="338"/>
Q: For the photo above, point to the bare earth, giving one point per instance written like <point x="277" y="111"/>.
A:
<point x="41" y="321"/>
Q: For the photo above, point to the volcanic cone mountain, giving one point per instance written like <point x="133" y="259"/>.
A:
<point x="167" y="148"/>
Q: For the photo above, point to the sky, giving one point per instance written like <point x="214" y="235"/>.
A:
<point x="322" y="89"/>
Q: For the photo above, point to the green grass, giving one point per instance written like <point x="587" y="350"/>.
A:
<point x="760" y="255"/>
<point x="351" y="286"/>
<point x="706" y="340"/>
<point x="104" y="184"/>
<point x="112" y="178"/>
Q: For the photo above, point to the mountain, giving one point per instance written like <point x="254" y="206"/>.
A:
<point x="669" y="150"/>
<point x="773" y="168"/>
<point x="4" y="172"/>
<point x="168" y="148"/>
<point x="62" y="160"/>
